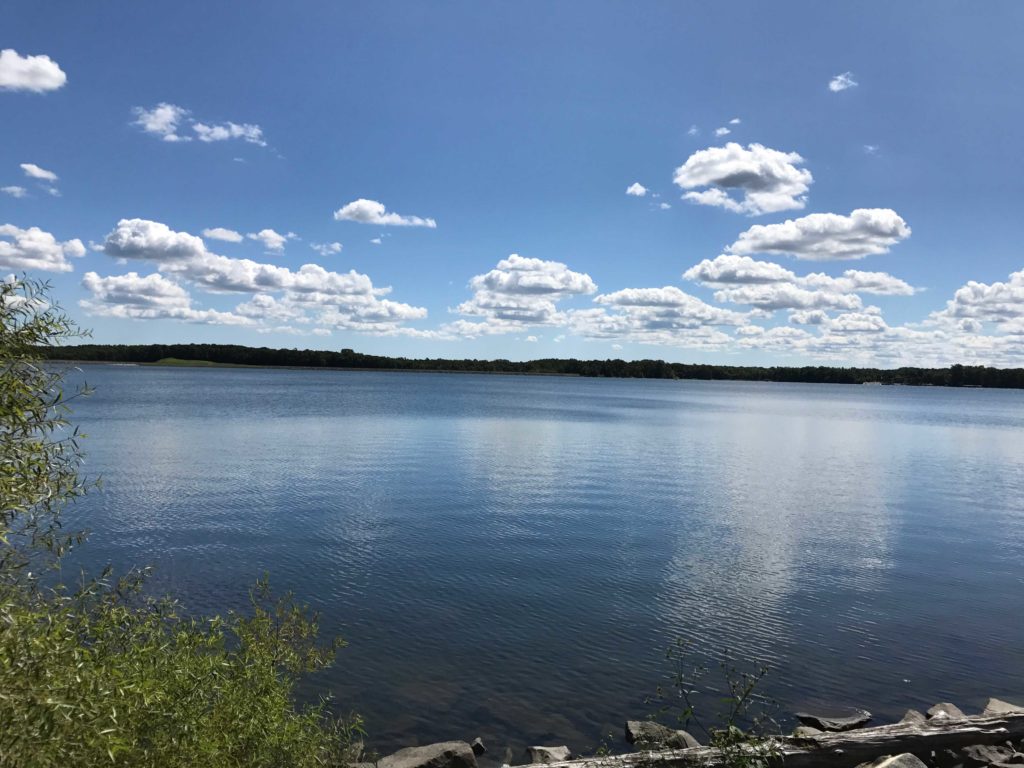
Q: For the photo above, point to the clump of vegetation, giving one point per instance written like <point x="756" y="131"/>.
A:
<point x="743" y="729"/>
<point x="97" y="672"/>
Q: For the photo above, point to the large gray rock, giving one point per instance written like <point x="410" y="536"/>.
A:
<point x="548" y="754"/>
<point x="906" y="760"/>
<point x="447" y="754"/>
<point x="646" y="734"/>
<point x="806" y="732"/>
<point x="913" y="716"/>
<point x="855" y="719"/>
<point x="946" y="711"/>
<point x="998" y="707"/>
<point x="985" y="754"/>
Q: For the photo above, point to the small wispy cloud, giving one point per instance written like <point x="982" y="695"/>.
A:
<point x="636" y="189"/>
<point x="842" y="82"/>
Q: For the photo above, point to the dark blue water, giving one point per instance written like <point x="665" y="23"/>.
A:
<point x="511" y="556"/>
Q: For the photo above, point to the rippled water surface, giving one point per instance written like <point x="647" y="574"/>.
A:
<point x="511" y="556"/>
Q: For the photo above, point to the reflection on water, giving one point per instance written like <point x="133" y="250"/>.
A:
<point x="510" y="556"/>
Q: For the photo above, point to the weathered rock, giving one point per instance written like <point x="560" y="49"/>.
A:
<point x="806" y="732"/>
<point x="999" y="707"/>
<point x="548" y="754"/>
<point x="446" y="754"/>
<point x="858" y="718"/>
<point x="646" y="734"/>
<point x="985" y="754"/>
<point x="913" y="716"/>
<point x="906" y="760"/>
<point x="477" y="745"/>
<point x="946" y="710"/>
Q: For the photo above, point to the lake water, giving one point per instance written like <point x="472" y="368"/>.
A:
<point x="511" y="556"/>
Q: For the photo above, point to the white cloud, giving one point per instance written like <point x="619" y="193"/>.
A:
<point x="14" y="191"/>
<point x="774" y="296"/>
<point x="162" y="120"/>
<point x="694" y="130"/>
<point x="827" y="236"/>
<point x="664" y="206"/>
<point x="165" y="120"/>
<point x="808" y="317"/>
<point x="330" y="299"/>
<point x="723" y="131"/>
<point x="151" y="297"/>
<point x="735" y="121"/>
<point x="531" y="339"/>
<point x="221" y="233"/>
<point x="768" y="179"/>
<point x="248" y="132"/>
<point x="326" y="249"/>
<point x="272" y="241"/>
<point x="842" y="82"/>
<point x="33" y="171"/>
<point x="1000" y="303"/>
<point x="29" y="73"/>
<point x="636" y="189"/>
<point x="870" y="149"/>
<point x="376" y="241"/>
<point x="729" y="269"/>
<point x="33" y="248"/>
<point x="372" y="212"/>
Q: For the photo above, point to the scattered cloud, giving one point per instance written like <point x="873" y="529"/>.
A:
<point x="221" y="233"/>
<point x="636" y="189"/>
<point x="248" y="132"/>
<point x="842" y="82"/>
<point x="152" y="297"/>
<point x="735" y="121"/>
<point x="376" y="241"/>
<point x="372" y="212"/>
<point x="29" y="73"/>
<point x="33" y="248"/>
<point x="664" y="206"/>
<point x="723" y="131"/>
<point x="14" y="191"/>
<point x="328" y="299"/>
<point x="870" y="149"/>
<point x="272" y="241"/>
<point x="165" y="120"/>
<point x="768" y="180"/>
<point x="827" y="236"/>
<point x="693" y="131"/>
<point x="326" y="249"/>
<point x="33" y="171"/>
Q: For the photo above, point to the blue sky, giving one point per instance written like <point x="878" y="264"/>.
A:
<point x="472" y="161"/>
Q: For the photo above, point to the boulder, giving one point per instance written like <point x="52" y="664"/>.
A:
<point x="477" y="745"/>
<point x="647" y="734"/>
<point x="446" y="754"/>
<point x="947" y="711"/>
<point x="548" y="754"/>
<point x="806" y="732"/>
<point x="906" y="760"/>
<point x="998" y="707"/>
<point x="856" y="719"/>
<point x="985" y="754"/>
<point x="913" y="716"/>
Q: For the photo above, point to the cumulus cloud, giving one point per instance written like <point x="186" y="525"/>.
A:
<point x="1000" y="303"/>
<point x="723" y="131"/>
<point x="787" y="296"/>
<point x="33" y="171"/>
<point x="165" y="120"/>
<point x="735" y="121"/>
<point x="326" y="249"/>
<point x="330" y="299"/>
<point x="162" y="120"/>
<point x="827" y="236"/>
<point x="842" y="82"/>
<point x="248" y="132"/>
<point x="372" y="212"/>
<point x="33" y="248"/>
<point x="14" y="191"/>
<point x="272" y="241"/>
<point x="768" y="180"/>
<point x="636" y="189"/>
<point x="152" y="297"/>
<point x="221" y="233"/>
<point x="29" y="73"/>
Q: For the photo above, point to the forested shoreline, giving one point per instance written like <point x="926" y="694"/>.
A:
<point x="233" y="354"/>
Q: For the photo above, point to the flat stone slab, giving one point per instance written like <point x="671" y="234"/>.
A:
<point x="856" y="719"/>
<point x="806" y="732"/>
<point x="446" y="754"/>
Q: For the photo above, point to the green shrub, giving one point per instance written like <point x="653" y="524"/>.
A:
<point x="97" y="673"/>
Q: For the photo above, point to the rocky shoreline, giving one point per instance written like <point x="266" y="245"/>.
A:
<point x="942" y="737"/>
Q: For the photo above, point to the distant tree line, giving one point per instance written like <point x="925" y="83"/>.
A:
<point x="233" y="354"/>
